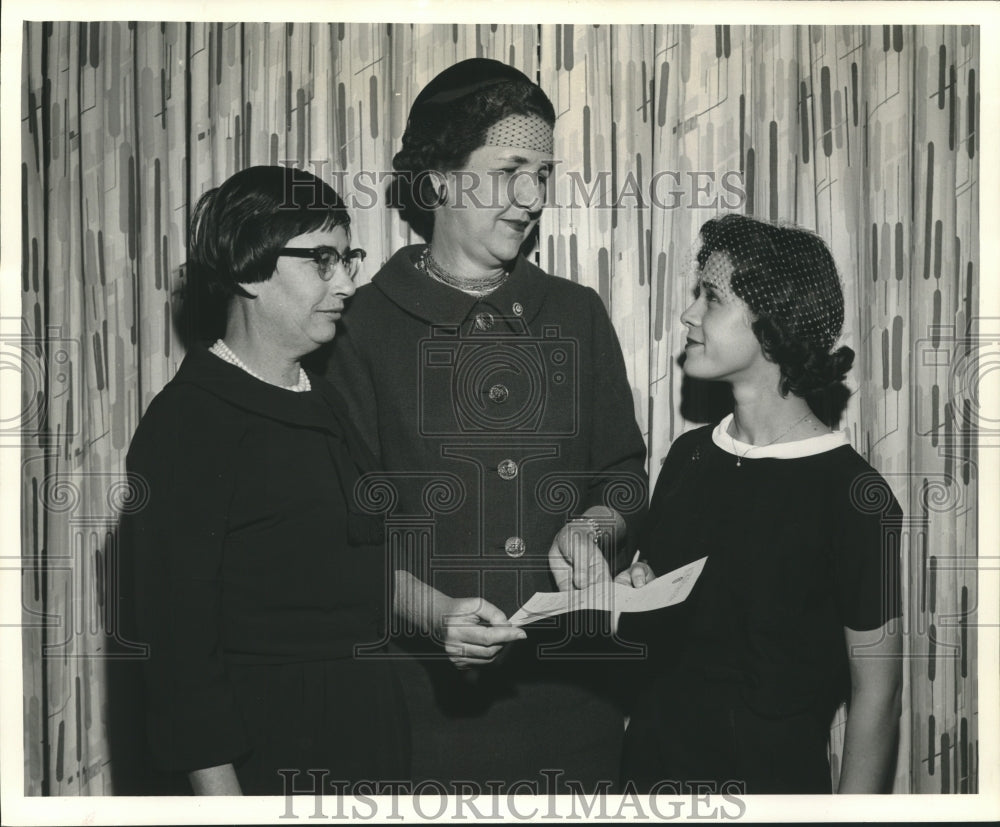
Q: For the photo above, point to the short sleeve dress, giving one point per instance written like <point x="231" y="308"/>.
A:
<point x="255" y="583"/>
<point x="743" y="678"/>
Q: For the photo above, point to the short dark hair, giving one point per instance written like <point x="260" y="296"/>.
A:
<point x="448" y="121"/>
<point x="235" y="234"/>
<point x="788" y="279"/>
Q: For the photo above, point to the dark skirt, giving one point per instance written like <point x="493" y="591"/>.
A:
<point x="342" y="719"/>
<point x="704" y="732"/>
<point x="526" y="724"/>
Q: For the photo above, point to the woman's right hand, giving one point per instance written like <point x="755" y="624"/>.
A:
<point x="636" y="575"/>
<point x="472" y="631"/>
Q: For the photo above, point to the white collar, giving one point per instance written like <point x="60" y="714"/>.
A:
<point x="780" y="450"/>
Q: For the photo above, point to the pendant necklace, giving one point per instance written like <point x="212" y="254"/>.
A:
<point x="739" y="459"/>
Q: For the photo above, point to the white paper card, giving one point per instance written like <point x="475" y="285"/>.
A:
<point x="671" y="588"/>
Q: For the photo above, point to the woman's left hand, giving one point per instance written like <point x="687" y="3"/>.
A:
<point x="875" y="658"/>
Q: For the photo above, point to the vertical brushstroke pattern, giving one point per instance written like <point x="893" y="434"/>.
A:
<point x="874" y="251"/>
<point x="972" y="103"/>
<point x="804" y="120"/>
<point x="827" y="110"/>
<point x="963" y="755"/>
<point x="929" y="211"/>
<point x="854" y="93"/>
<point x="952" y="106"/>
<point x="942" y="66"/>
<point x="772" y="187"/>
<point x="945" y="763"/>
<point x="898" y="250"/>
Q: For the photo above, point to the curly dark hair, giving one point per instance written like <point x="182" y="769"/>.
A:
<point x="448" y="121"/>
<point x="235" y="234"/>
<point x="789" y="280"/>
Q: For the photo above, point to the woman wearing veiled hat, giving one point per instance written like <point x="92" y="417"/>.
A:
<point x="797" y="608"/>
<point x="476" y="374"/>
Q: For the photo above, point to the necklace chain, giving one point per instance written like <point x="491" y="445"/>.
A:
<point x="223" y="351"/>
<point x="739" y="458"/>
<point x="429" y="265"/>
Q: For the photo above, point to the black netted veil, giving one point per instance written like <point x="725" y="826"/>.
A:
<point x="789" y="280"/>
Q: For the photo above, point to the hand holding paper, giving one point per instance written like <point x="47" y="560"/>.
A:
<point x="636" y="575"/>
<point x="575" y="557"/>
<point x="473" y="631"/>
<point x="671" y="588"/>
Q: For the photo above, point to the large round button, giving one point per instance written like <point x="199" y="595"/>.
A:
<point x="514" y="546"/>
<point x="484" y="321"/>
<point x="507" y="469"/>
<point x="499" y="394"/>
<point x="518" y="309"/>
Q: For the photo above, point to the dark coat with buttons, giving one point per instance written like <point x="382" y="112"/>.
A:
<point x="497" y="419"/>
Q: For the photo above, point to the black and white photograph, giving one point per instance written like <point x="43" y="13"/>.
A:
<point x="429" y="411"/>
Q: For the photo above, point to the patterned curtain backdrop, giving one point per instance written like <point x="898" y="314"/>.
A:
<point x="866" y="134"/>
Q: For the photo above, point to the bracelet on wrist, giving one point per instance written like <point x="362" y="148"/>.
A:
<point x="597" y="532"/>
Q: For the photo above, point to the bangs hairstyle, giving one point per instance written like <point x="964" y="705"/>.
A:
<point x="444" y="130"/>
<point x="238" y="228"/>
<point x="235" y="234"/>
<point x="789" y="280"/>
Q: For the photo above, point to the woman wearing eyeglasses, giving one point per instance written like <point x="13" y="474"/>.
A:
<point x="255" y="580"/>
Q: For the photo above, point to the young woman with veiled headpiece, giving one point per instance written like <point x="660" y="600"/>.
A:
<point x="795" y="609"/>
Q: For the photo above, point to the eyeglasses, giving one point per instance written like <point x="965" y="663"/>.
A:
<point x="327" y="259"/>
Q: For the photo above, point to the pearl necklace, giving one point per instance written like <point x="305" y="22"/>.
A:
<point x="221" y="349"/>
<point x="428" y="265"/>
<point x="739" y="459"/>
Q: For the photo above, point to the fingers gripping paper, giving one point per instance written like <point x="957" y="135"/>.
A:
<point x="671" y="588"/>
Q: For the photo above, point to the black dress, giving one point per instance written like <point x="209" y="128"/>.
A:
<point x="255" y="583"/>
<point x="745" y="676"/>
